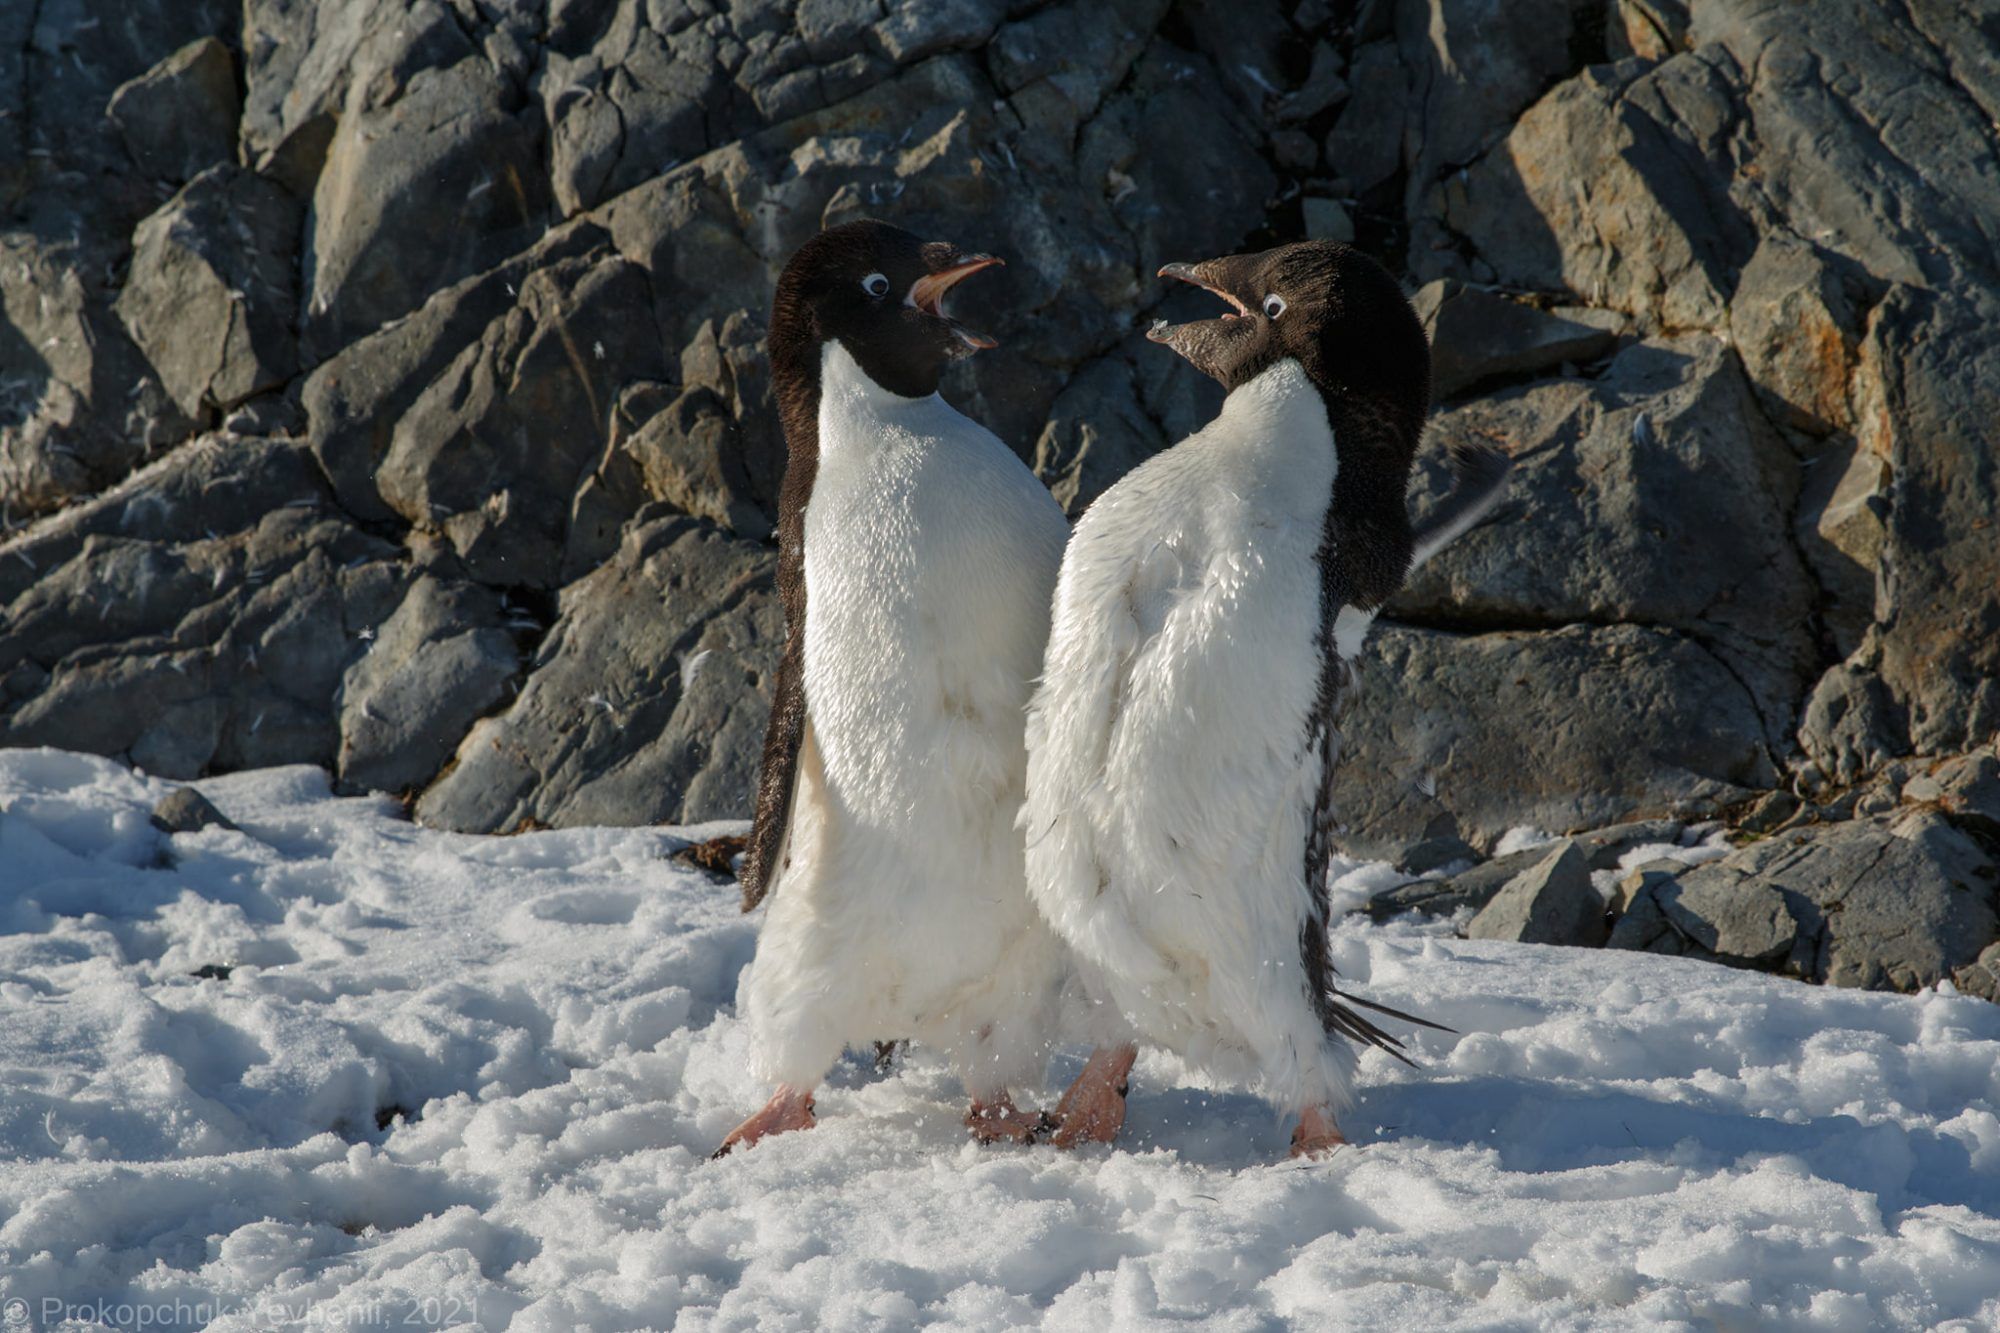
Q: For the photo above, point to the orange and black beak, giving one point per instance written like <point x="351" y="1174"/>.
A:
<point x="928" y="292"/>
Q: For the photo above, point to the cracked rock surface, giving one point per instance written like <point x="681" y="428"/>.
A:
<point x="382" y="384"/>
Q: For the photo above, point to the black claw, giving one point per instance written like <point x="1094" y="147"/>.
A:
<point x="1045" y="1125"/>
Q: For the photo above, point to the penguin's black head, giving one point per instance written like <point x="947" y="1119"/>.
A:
<point x="1328" y="306"/>
<point x="879" y="291"/>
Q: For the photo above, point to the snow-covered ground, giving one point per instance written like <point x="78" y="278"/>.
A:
<point x="544" y="1028"/>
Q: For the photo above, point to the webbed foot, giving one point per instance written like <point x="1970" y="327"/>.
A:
<point x="789" y="1108"/>
<point x="1093" y="1110"/>
<point x="998" y="1121"/>
<point x="1317" y="1134"/>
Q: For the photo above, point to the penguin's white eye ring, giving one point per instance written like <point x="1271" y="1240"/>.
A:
<point x="1274" y="306"/>
<point x="875" y="285"/>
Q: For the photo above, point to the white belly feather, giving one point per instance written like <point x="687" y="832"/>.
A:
<point x="1170" y="784"/>
<point x="930" y="556"/>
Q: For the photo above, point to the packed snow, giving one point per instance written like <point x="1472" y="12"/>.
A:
<point x="452" y="1081"/>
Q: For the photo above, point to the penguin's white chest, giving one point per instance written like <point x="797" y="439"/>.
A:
<point x="930" y="554"/>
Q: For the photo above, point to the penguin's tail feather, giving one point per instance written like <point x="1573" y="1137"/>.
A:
<point x="1479" y="479"/>
<point x="1360" y="1028"/>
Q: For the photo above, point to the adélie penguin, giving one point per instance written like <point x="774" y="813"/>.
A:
<point x="917" y="556"/>
<point x="1183" y="738"/>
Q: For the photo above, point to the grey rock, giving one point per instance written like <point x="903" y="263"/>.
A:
<point x="1981" y="977"/>
<point x="1649" y="29"/>
<point x="1536" y="728"/>
<point x="1600" y="849"/>
<point x="1182" y="204"/>
<point x="1884" y="904"/>
<point x="1326" y="220"/>
<point x="16" y="26"/>
<point x="1593" y="192"/>
<point x="1604" y="848"/>
<point x="79" y="406"/>
<point x="437" y="665"/>
<point x="1097" y="432"/>
<point x="1473" y="888"/>
<point x="1937" y="361"/>
<point x="689" y="455"/>
<point x="1666" y="451"/>
<point x="306" y="65"/>
<point x="1749" y="550"/>
<point x="1841" y="530"/>
<point x="1471" y="68"/>
<point x="1796" y="320"/>
<point x="682" y="229"/>
<point x="1121" y="409"/>
<point x="491" y="452"/>
<point x="1770" y="813"/>
<point x="1741" y="924"/>
<point x="1918" y="214"/>
<point x="268" y="415"/>
<point x="1294" y="151"/>
<point x="1751" y="925"/>
<point x="726" y="359"/>
<point x="1631" y="193"/>
<point x="911" y="32"/>
<point x="441" y="183"/>
<point x="1366" y="144"/>
<point x="185" y="810"/>
<point x="652" y="90"/>
<point x="1551" y="903"/>
<point x="648" y="699"/>
<point x="1642" y="925"/>
<point x="1967" y="790"/>
<point x="1249" y="44"/>
<point x="632" y="107"/>
<point x="1850" y="725"/>
<point x="1475" y="68"/>
<point x="1638" y="883"/>
<point x="179" y="117"/>
<point x="160" y="632"/>
<point x="72" y="175"/>
<point x="217" y="484"/>
<point x="353" y="401"/>
<point x="1056" y="65"/>
<point x="1478" y="335"/>
<point x="213" y="290"/>
<point x="1323" y="86"/>
<point x="1434" y="854"/>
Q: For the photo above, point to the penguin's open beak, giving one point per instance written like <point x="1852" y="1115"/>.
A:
<point x="1194" y="275"/>
<point x="928" y="292"/>
<point x="1212" y="346"/>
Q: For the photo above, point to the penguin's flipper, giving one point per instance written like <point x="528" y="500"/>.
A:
<point x="1479" y="478"/>
<point x="778" y="774"/>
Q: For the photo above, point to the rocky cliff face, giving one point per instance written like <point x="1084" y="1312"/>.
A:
<point x="382" y="386"/>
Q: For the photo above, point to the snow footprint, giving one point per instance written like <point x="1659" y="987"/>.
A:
<point x="587" y="907"/>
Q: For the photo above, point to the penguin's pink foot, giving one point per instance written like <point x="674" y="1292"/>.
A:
<point x="999" y="1121"/>
<point x="1317" y="1135"/>
<point x="1093" y="1110"/>
<point x="790" y="1108"/>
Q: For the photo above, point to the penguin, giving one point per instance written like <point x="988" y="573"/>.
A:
<point x="1182" y="739"/>
<point x="916" y="560"/>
